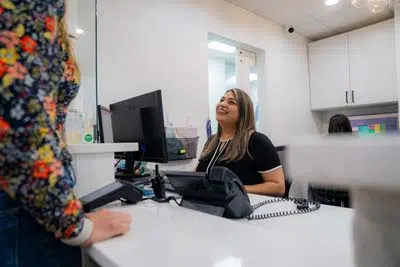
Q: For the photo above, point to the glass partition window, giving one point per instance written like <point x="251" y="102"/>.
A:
<point x="81" y="120"/>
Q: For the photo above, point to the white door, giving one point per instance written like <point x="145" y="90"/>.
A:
<point x="230" y="67"/>
<point x="245" y="61"/>
<point x="221" y="75"/>
<point x="329" y="73"/>
<point x="247" y="77"/>
<point x="373" y="64"/>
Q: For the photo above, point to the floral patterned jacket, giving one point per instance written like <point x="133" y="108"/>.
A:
<point x="37" y="83"/>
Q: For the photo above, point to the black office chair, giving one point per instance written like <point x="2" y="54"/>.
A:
<point x="288" y="181"/>
<point x="331" y="196"/>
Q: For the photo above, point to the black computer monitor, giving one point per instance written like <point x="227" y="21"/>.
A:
<point x="105" y="125"/>
<point x="141" y="119"/>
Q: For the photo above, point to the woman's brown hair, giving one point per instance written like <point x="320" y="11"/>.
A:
<point x="245" y="127"/>
<point x="67" y="46"/>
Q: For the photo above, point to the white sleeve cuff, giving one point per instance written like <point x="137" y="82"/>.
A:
<point x="83" y="235"/>
<point x="271" y="170"/>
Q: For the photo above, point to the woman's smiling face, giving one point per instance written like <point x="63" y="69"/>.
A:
<point x="227" y="110"/>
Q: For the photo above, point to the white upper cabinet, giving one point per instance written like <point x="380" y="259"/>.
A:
<point x="373" y="64"/>
<point x="329" y="72"/>
<point x="354" y="69"/>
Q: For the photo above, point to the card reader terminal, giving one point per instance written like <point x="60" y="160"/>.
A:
<point x="125" y="192"/>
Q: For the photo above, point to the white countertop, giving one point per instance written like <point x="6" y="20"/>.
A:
<point x="168" y="235"/>
<point x="102" y="148"/>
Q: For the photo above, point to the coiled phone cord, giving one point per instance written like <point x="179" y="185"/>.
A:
<point x="303" y="206"/>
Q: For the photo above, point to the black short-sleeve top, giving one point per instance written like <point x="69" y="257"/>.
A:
<point x="262" y="157"/>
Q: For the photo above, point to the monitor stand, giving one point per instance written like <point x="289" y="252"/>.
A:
<point x="130" y="163"/>
<point x="129" y="172"/>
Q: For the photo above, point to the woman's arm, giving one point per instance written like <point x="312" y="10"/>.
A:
<point x="274" y="184"/>
<point x="32" y="169"/>
<point x="268" y="165"/>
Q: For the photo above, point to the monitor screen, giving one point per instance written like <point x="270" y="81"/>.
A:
<point x="105" y="125"/>
<point x="375" y="124"/>
<point x="141" y="119"/>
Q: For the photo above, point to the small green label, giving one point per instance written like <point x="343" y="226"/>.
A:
<point x="88" y="138"/>
<point x="182" y="151"/>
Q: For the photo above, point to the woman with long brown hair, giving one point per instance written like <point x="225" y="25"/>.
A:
<point x="42" y="223"/>
<point x="239" y="147"/>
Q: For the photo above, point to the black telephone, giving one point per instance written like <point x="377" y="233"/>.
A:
<point x="125" y="192"/>
<point x="222" y="193"/>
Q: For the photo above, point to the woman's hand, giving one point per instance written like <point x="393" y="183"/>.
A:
<point x="107" y="224"/>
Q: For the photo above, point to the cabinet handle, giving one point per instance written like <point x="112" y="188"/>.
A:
<point x="347" y="97"/>
<point x="352" y="95"/>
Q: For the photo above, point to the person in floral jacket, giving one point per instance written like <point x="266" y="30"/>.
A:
<point x="41" y="220"/>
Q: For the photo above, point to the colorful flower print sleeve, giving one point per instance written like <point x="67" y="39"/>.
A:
<point x="36" y="86"/>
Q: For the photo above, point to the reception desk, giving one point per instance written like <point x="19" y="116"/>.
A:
<point x="169" y="235"/>
<point x="94" y="164"/>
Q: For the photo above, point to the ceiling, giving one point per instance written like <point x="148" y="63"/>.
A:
<point x="311" y="18"/>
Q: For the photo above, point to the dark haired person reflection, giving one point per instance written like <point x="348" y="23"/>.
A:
<point x="340" y="124"/>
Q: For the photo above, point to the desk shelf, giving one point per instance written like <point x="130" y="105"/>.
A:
<point x="102" y="148"/>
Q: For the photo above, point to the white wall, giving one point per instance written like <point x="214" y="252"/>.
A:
<point x="146" y="45"/>
<point x="397" y="36"/>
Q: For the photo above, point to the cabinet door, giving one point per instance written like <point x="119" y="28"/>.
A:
<point x="329" y="72"/>
<point x="372" y="64"/>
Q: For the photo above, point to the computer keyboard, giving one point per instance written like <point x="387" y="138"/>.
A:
<point x="144" y="181"/>
<point x="169" y="187"/>
<point x="125" y="176"/>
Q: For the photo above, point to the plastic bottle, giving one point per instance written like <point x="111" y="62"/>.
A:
<point x="69" y="127"/>
<point x="208" y="128"/>
<point x="75" y="122"/>
<point x="169" y="128"/>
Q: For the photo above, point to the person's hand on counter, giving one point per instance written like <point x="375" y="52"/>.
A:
<point x="107" y="224"/>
